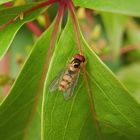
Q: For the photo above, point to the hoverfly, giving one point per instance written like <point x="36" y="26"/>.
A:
<point x="67" y="80"/>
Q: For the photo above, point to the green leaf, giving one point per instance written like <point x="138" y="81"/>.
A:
<point x="7" y="34"/>
<point x="114" y="25"/>
<point x="34" y="132"/>
<point x="18" y="108"/>
<point x="117" y="112"/>
<point x="4" y="1"/>
<point x="129" y="7"/>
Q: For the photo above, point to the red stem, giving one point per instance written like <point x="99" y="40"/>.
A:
<point x="5" y="61"/>
<point x="53" y="38"/>
<point x="123" y="51"/>
<point x="8" y="4"/>
<point x="46" y="64"/>
<point x="34" y="28"/>
<point x="41" y="5"/>
<point x="4" y="69"/>
<point x="47" y="19"/>
<point x="57" y="22"/>
<point x="93" y="110"/>
<point x="8" y="23"/>
<point x="75" y="22"/>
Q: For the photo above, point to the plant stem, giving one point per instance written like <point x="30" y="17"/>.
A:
<point x="46" y="64"/>
<point x="8" y="4"/>
<point x="93" y="111"/>
<point x="4" y="69"/>
<point x="51" y="48"/>
<point x="34" y="28"/>
<point x="123" y="50"/>
<point x="41" y="5"/>
<point x="75" y="23"/>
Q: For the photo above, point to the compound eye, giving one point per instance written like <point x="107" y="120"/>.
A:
<point x="79" y="57"/>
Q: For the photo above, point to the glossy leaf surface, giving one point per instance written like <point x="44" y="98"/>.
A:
<point x="18" y="109"/>
<point x="114" y="6"/>
<point x="7" y="34"/>
<point x="117" y="111"/>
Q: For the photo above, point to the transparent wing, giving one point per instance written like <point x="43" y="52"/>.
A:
<point x="55" y="83"/>
<point x="68" y="94"/>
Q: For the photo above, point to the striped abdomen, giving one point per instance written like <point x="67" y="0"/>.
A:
<point x="67" y="80"/>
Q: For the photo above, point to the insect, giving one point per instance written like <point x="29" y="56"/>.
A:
<point x="67" y="80"/>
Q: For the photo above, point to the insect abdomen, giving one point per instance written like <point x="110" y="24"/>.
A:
<point x="66" y="82"/>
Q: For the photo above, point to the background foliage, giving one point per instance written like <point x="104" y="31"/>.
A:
<point x="110" y="37"/>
